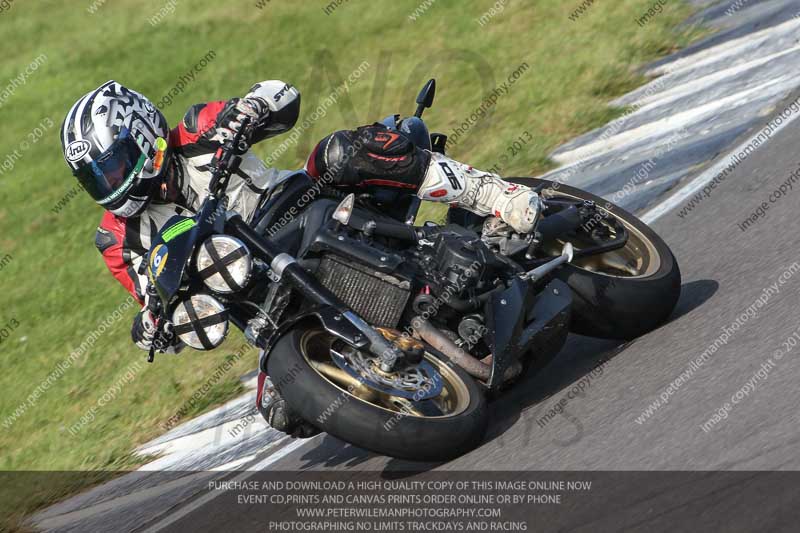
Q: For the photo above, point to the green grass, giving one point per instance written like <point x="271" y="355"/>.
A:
<point x="56" y="287"/>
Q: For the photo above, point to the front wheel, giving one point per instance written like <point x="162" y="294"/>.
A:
<point x="620" y="294"/>
<point x="303" y="367"/>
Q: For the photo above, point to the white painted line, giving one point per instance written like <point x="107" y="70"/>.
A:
<point x="233" y="465"/>
<point x="108" y="507"/>
<point x="718" y="57"/>
<point x="217" y="437"/>
<point x="203" y="500"/>
<point x="712" y="80"/>
<point x="671" y="123"/>
<point x="735" y="49"/>
<point x="283" y="452"/>
<point x="691" y="188"/>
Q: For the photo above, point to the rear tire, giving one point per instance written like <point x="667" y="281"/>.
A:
<point x="347" y="417"/>
<point x="614" y="306"/>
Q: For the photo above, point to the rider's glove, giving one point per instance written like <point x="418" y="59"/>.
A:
<point x="144" y="329"/>
<point x="145" y="334"/>
<point x="272" y="107"/>
<point x="230" y="120"/>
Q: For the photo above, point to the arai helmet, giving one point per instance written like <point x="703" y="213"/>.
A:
<point x="114" y="140"/>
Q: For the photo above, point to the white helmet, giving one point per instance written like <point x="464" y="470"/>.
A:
<point x="114" y="140"/>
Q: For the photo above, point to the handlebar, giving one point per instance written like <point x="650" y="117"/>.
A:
<point x="226" y="160"/>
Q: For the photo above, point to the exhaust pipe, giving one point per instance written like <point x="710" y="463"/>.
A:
<point x="459" y="356"/>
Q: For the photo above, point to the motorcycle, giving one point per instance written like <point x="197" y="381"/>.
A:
<point x="393" y="336"/>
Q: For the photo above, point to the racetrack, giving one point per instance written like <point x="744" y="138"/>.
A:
<point x="738" y="306"/>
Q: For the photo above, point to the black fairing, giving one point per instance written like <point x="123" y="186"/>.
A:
<point x="521" y="319"/>
<point x="272" y="215"/>
<point x="179" y="247"/>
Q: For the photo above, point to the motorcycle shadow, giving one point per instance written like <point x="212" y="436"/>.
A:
<point x="581" y="360"/>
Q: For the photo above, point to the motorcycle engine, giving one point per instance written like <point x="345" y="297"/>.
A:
<point x="462" y="262"/>
<point x="459" y="268"/>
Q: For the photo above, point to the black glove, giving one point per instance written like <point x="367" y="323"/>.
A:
<point x="145" y="333"/>
<point x="272" y="106"/>
<point x="229" y="122"/>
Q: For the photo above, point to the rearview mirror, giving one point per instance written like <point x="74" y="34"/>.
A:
<point x="425" y="97"/>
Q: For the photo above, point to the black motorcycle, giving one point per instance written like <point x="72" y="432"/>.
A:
<point x="390" y="335"/>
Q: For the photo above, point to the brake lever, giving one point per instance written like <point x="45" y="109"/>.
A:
<point x="567" y="254"/>
<point x="154" y="308"/>
<point x="152" y="356"/>
<point x="226" y="160"/>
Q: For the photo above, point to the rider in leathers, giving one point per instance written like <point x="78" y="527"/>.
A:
<point x="121" y="150"/>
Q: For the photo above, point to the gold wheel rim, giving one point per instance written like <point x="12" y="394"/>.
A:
<point x="315" y="346"/>
<point x="639" y="258"/>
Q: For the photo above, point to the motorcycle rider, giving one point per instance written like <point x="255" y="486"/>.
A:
<point x="119" y="147"/>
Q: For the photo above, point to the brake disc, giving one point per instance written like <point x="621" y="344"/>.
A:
<point x="418" y="382"/>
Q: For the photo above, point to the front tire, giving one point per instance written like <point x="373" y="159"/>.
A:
<point x="327" y="403"/>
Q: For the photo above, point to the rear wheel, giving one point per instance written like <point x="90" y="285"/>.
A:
<point x="620" y="294"/>
<point x="303" y="365"/>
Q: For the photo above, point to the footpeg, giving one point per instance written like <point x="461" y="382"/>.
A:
<point x="567" y="253"/>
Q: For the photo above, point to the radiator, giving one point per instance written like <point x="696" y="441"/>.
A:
<point x="377" y="297"/>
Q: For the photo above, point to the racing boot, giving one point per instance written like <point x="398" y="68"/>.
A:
<point x="483" y="193"/>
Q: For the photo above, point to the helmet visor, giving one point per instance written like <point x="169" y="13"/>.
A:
<point x="112" y="173"/>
